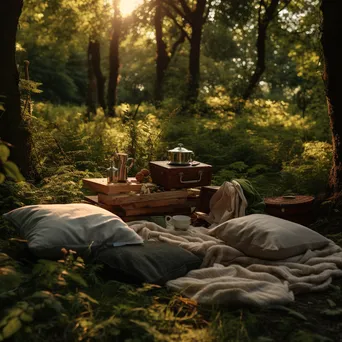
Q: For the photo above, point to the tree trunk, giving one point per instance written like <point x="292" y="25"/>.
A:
<point x="96" y="80"/>
<point x="263" y="23"/>
<point x="197" y="19"/>
<point x="162" y="59"/>
<point x="260" y="64"/>
<point x="100" y="79"/>
<point x="91" y="93"/>
<point x="114" y="61"/>
<point x="194" y="62"/>
<point x="13" y="125"/>
<point x="195" y="16"/>
<point x="332" y="50"/>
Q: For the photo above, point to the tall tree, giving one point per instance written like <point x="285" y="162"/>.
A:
<point x="92" y="84"/>
<point x="100" y="79"/>
<point x="332" y="75"/>
<point x="162" y="59"/>
<point x="96" y="80"/>
<point x="267" y="11"/>
<point x="114" y="61"/>
<point x="13" y="125"/>
<point x="164" y="56"/>
<point x="195" y="16"/>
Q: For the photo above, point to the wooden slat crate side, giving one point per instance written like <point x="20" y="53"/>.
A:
<point x="100" y="185"/>
<point x="165" y="210"/>
<point x="94" y="200"/>
<point x="134" y="198"/>
<point x="206" y="194"/>
<point x="129" y="213"/>
<point x="155" y="203"/>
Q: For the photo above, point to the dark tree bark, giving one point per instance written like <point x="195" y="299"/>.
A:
<point x="162" y="60"/>
<point x="96" y="80"/>
<point x="114" y="61"/>
<point x="194" y="58"/>
<point x="265" y="16"/>
<point x="91" y="93"/>
<point x="14" y="127"/>
<point x="195" y="17"/>
<point x="332" y="76"/>
<point x="100" y="79"/>
<point x="163" y="57"/>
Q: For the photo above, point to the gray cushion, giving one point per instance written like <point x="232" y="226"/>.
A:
<point x="153" y="262"/>
<point x="51" y="227"/>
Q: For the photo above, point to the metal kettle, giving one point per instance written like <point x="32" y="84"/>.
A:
<point x="123" y="168"/>
<point x="112" y="173"/>
<point x="180" y="156"/>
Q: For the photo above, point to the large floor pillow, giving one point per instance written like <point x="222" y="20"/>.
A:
<point x="79" y="227"/>
<point x="268" y="237"/>
<point x="153" y="262"/>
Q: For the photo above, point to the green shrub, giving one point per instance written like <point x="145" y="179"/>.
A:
<point x="309" y="171"/>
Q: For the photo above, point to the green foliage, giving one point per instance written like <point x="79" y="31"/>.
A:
<point x="63" y="138"/>
<point x="270" y="146"/>
<point x="8" y="168"/>
<point x="260" y="146"/>
<point x="315" y="160"/>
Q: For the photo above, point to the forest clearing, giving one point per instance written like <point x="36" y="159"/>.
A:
<point x="118" y="116"/>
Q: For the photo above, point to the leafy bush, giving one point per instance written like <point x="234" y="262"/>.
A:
<point x="309" y="171"/>
<point x="7" y="167"/>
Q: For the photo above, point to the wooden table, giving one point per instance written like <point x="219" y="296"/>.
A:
<point x="126" y="201"/>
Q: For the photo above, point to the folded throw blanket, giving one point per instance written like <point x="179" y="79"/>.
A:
<point x="227" y="203"/>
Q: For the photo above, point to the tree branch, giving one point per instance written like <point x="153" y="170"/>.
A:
<point x="206" y="15"/>
<point x="173" y="18"/>
<point x="271" y="11"/>
<point x="186" y="8"/>
<point x="178" y="42"/>
<point x="287" y="2"/>
<point x="263" y="3"/>
<point x="178" y="11"/>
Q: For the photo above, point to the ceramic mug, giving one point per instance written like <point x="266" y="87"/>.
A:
<point x="178" y="221"/>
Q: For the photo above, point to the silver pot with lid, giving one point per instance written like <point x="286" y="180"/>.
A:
<point x="180" y="156"/>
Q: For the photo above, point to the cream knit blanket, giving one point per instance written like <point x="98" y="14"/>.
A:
<point x="229" y="277"/>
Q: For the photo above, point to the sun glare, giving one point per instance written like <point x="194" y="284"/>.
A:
<point x="128" y="6"/>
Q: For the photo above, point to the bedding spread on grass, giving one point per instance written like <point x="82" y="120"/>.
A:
<point x="70" y="300"/>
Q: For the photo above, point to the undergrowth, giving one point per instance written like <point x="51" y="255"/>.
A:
<point x="276" y="149"/>
<point x="68" y="300"/>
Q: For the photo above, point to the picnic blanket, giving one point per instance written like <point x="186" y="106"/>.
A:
<point x="229" y="277"/>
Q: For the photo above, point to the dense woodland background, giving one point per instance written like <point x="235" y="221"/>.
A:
<point x="238" y="82"/>
<point x="254" y="107"/>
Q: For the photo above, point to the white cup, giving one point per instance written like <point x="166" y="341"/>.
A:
<point x="178" y="221"/>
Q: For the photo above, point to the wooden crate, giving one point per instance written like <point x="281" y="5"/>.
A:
<point x="130" y="213"/>
<point x="122" y="200"/>
<point x="178" y="177"/>
<point x="100" y="185"/>
<point x="205" y="196"/>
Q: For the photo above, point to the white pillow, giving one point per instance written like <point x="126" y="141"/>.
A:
<point x="268" y="237"/>
<point x="51" y="227"/>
